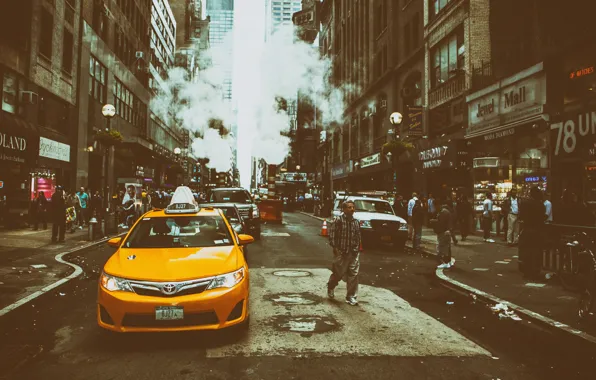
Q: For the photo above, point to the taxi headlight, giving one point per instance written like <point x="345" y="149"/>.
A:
<point x="365" y="224"/>
<point x="227" y="280"/>
<point x="114" y="284"/>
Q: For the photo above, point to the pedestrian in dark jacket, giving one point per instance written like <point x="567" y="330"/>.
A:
<point x="464" y="212"/>
<point x="443" y="231"/>
<point x="42" y="205"/>
<point x="58" y="215"/>
<point x="417" y="222"/>
<point x="533" y="215"/>
<point x="400" y="207"/>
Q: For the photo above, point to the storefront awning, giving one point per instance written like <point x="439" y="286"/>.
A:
<point x="506" y="127"/>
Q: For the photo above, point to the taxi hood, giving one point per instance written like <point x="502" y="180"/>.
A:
<point x="172" y="264"/>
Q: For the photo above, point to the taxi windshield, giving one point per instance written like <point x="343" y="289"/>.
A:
<point x="179" y="231"/>
<point x="373" y="206"/>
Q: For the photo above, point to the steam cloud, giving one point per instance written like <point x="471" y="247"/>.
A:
<point x="263" y="72"/>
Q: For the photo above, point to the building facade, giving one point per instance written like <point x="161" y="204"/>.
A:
<point x="39" y="75"/>
<point x="221" y="16"/>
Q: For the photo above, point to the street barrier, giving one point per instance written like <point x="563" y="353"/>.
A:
<point x="271" y="210"/>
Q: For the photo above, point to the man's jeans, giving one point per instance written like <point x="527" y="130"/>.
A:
<point x="345" y="266"/>
<point x="417" y="237"/>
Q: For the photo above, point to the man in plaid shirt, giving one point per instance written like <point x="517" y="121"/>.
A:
<point x="344" y="237"/>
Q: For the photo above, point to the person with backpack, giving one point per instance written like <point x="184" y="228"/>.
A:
<point x="442" y="227"/>
<point x="417" y="222"/>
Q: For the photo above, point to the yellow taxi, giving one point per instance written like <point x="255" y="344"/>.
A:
<point x="178" y="269"/>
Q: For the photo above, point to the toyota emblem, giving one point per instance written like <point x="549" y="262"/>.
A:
<point x="169" y="289"/>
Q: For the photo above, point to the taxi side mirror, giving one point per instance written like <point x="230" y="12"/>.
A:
<point x="245" y="239"/>
<point x="115" y="242"/>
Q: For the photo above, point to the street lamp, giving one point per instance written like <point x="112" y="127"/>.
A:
<point x="395" y="119"/>
<point x="177" y="151"/>
<point x="297" y="167"/>
<point x="108" y="111"/>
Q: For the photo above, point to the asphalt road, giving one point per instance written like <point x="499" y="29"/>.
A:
<point x="406" y="327"/>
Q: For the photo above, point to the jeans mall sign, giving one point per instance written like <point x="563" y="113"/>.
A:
<point x="433" y="158"/>
<point x="13" y="142"/>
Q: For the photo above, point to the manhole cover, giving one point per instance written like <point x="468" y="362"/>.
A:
<point x="291" y="273"/>
<point x="305" y="324"/>
<point x="289" y="299"/>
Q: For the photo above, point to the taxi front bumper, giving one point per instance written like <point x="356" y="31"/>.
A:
<point x="209" y="310"/>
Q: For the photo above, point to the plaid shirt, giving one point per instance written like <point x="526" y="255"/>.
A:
<point x="344" y="234"/>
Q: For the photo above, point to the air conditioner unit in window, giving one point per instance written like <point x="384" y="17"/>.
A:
<point x="139" y="55"/>
<point x="29" y="97"/>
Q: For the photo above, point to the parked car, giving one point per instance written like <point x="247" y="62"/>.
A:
<point x="245" y="204"/>
<point x="378" y="222"/>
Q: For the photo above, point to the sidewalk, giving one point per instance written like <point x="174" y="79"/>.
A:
<point x="491" y="269"/>
<point x="21" y="249"/>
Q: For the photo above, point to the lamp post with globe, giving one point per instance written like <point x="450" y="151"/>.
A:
<point x="108" y="111"/>
<point x="396" y="120"/>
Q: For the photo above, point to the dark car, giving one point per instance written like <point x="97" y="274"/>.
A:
<point x="242" y="199"/>
<point x="232" y="214"/>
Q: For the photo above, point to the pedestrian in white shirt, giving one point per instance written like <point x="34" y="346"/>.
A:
<point x="411" y="205"/>
<point x="512" y="204"/>
<point x="487" y="217"/>
<point x="548" y="208"/>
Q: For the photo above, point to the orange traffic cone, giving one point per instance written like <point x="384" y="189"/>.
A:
<point x="324" y="229"/>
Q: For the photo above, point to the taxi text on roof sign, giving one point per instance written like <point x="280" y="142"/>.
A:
<point x="182" y="202"/>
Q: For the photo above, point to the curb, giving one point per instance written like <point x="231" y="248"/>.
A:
<point x="488" y="298"/>
<point x="59" y="258"/>
<point x="312" y="216"/>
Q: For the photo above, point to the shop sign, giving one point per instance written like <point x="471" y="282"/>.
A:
<point x="54" y="150"/>
<point x="341" y="170"/>
<point x="415" y="127"/>
<point x="374" y="159"/>
<point x="574" y="131"/>
<point x="433" y="158"/>
<point x="535" y="179"/>
<point x="508" y="101"/>
<point x="293" y="177"/>
<point x="499" y="134"/>
<point x="13" y="148"/>
<point x="486" y="162"/>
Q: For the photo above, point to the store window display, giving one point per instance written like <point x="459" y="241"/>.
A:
<point x="43" y="180"/>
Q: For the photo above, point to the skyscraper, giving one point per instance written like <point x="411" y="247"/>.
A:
<point x="221" y="13"/>
<point x="279" y="13"/>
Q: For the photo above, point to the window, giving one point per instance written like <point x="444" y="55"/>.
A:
<point x="128" y="106"/>
<point x="97" y="80"/>
<point x="233" y="196"/>
<point x="437" y="6"/>
<point x="46" y="33"/>
<point x="447" y="57"/>
<point x="67" y="51"/>
<point x="181" y="231"/>
<point x="69" y="11"/>
<point x="380" y="207"/>
<point x="11" y="87"/>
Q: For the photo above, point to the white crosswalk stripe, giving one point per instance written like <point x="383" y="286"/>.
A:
<point x="290" y="315"/>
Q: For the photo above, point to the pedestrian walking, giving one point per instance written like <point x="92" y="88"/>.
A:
<point x="464" y="212"/>
<point x="417" y="222"/>
<point x="487" y="217"/>
<point x="58" y="215"/>
<point x="548" y="208"/>
<point x="83" y="204"/>
<point x="432" y="209"/>
<point x="505" y="209"/>
<point x="400" y="207"/>
<point x="533" y="215"/>
<point x="411" y="204"/>
<point x="512" y="204"/>
<point x="443" y="230"/>
<point x="42" y="205"/>
<point x="345" y="239"/>
<point x="452" y="202"/>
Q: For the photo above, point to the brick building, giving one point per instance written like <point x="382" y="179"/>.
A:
<point x="39" y="44"/>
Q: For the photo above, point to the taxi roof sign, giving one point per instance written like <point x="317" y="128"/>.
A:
<point x="182" y="202"/>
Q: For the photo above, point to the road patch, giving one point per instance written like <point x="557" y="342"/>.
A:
<point x="383" y="325"/>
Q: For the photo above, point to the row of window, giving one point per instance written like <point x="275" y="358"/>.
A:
<point x="46" y="39"/>
<point x="127" y="105"/>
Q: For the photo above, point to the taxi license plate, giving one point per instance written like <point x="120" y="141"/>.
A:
<point x="169" y="313"/>
<point x="386" y="238"/>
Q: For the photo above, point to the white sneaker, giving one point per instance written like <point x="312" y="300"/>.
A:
<point x="444" y="266"/>
<point x="352" y="301"/>
<point x="452" y="263"/>
<point x="490" y="241"/>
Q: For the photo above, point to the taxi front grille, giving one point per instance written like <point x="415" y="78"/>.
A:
<point x="189" y="320"/>
<point x="170" y="289"/>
